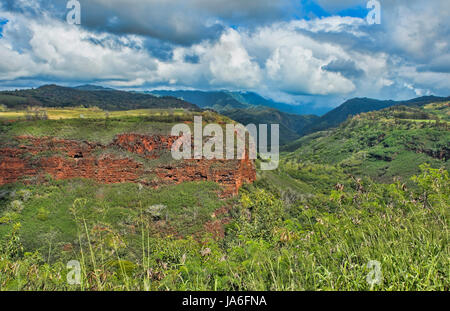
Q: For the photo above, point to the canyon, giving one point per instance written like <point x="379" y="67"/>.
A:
<point x="129" y="157"/>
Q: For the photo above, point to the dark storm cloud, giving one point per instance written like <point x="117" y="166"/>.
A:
<point x="162" y="50"/>
<point x="177" y="21"/>
<point x="142" y="19"/>
<point x="193" y="59"/>
<point x="345" y="67"/>
<point x="439" y="64"/>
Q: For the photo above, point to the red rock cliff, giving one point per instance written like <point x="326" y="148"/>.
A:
<point x="33" y="158"/>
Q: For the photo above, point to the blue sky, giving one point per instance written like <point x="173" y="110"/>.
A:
<point x="312" y="52"/>
<point x="311" y="9"/>
<point x="2" y="22"/>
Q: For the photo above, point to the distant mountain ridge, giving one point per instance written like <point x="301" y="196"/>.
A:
<point x="216" y="100"/>
<point x="355" y="106"/>
<point x="255" y="99"/>
<point x="243" y="107"/>
<point x="91" y="87"/>
<point x="88" y="96"/>
<point x="223" y="100"/>
<point x="249" y="107"/>
<point x="384" y="144"/>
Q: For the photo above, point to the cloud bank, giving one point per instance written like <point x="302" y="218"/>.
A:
<point x="271" y="47"/>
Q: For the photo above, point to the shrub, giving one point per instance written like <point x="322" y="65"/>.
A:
<point x="17" y="205"/>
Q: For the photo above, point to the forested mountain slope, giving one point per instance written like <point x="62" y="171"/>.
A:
<point x="382" y="144"/>
<point x="87" y="96"/>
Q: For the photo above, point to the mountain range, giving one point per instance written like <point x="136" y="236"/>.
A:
<point x="245" y="107"/>
<point x="75" y="182"/>
<point x="359" y="105"/>
<point x="224" y="100"/>
<point x="383" y="144"/>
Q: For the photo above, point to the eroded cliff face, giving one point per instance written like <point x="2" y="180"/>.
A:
<point x="32" y="158"/>
<point x="145" y="145"/>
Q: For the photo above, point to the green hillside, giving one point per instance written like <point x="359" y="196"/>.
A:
<point x="314" y="223"/>
<point x="291" y="125"/>
<point x="358" y="105"/>
<point x="382" y="144"/>
<point x="250" y="108"/>
<point x="87" y="96"/>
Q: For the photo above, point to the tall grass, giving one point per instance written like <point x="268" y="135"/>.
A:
<point x="315" y="243"/>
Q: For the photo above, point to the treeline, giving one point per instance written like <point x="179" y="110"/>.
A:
<point x="57" y="96"/>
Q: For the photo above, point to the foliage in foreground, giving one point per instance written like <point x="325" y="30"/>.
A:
<point x="275" y="242"/>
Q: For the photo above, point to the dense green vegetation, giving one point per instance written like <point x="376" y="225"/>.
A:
<point x="124" y="237"/>
<point x="36" y="113"/>
<point x="292" y="126"/>
<point x="315" y="223"/>
<point x="246" y="107"/>
<point x="355" y="106"/>
<point x="48" y="217"/>
<point x="295" y="120"/>
<point x="58" y="96"/>
<point x="386" y="144"/>
<point x="251" y="108"/>
<point x="97" y="125"/>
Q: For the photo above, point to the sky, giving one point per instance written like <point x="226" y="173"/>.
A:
<point x="311" y="52"/>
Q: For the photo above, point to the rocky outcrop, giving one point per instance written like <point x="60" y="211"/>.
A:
<point x="145" y="145"/>
<point x="33" y="158"/>
<point x="232" y="174"/>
